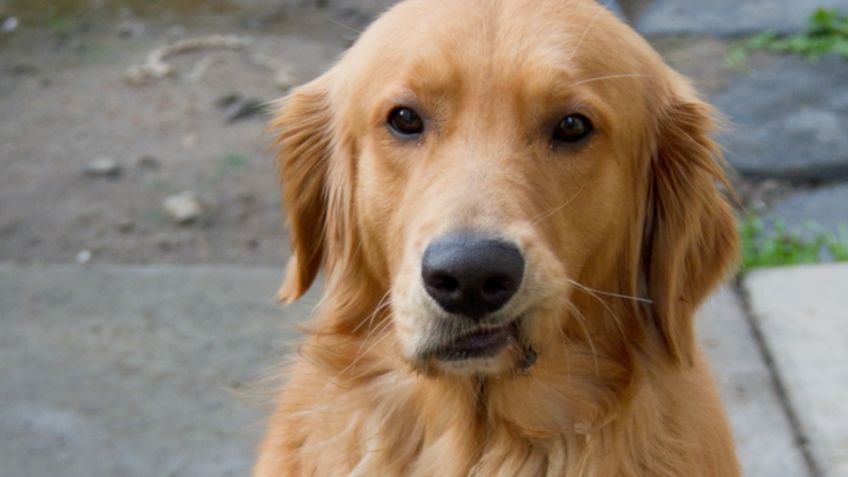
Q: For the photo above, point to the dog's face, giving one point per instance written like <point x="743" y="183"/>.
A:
<point x="480" y="161"/>
<point x="493" y="166"/>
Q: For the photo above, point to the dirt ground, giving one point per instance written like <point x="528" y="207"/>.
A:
<point x="65" y="102"/>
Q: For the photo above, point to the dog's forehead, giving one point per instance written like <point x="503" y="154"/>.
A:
<point x="438" y="42"/>
<point x="472" y="31"/>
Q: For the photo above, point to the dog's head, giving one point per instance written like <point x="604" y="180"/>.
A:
<point x="507" y="179"/>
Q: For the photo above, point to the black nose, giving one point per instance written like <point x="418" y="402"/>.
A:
<point x="471" y="275"/>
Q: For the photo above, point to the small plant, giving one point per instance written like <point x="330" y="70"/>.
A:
<point x="827" y="33"/>
<point x="777" y="247"/>
<point x="60" y="22"/>
<point x="837" y="244"/>
<point x="228" y="165"/>
<point x="235" y="161"/>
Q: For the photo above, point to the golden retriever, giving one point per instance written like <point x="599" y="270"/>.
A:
<point x="514" y="206"/>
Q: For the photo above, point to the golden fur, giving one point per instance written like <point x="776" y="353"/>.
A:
<point x="624" y="237"/>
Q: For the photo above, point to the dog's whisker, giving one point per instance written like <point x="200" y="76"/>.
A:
<point x="549" y="213"/>
<point x="374" y="329"/>
<point x="368" y="351"/>
<point x="383" y="326"/>
<point x="596" y="295"/>
<point x="609" y="294"/>
<point x="587" y="289"/>
<point x="609" y="77"/>
<point x="383" y="303"/>
<point x="345" y="25"/>
<point x="587" y="30"/>
<point x="370" y="321"/>
<point x="380" y="328"/>
<point x="581" y="320"/>
<point x="603" y="303"/>
<point x="566" y="346"/>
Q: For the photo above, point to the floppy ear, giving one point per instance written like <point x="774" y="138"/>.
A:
<point x="304" y="147"/>
<point x="690" y="234"/>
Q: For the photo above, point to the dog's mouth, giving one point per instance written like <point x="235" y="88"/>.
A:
<point x="479" y="344"/>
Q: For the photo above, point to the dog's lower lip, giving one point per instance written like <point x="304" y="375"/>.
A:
<point x="479" y="344"/>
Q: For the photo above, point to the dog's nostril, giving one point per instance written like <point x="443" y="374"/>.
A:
<point x="496" y="285"/>
<point x="443" y="282"/>
<point x="471" y="275"/>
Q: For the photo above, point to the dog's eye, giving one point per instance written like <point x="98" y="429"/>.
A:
<point x="406" y="122"/>
<point x="573" y="129"/>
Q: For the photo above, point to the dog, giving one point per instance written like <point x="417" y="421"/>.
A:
<point x="516" y="209"/>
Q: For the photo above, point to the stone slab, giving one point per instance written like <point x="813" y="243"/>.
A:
<point x="788" y="118"/>
<point x="803" y="315"/>
<point x="614" y="7"/>
<point x="826" y="207"/>
<point x="364" y="11"/>
<point x="136" y="372"/>
<point x="764" y="436"/>
<point x="729" y="17"/>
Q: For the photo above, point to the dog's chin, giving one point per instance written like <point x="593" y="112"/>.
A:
<point x="490" y="351"/>
<point x="504" y="363"/>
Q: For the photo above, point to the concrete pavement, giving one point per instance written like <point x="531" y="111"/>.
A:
<point x="129" y="371"/>
<point x="764" y="435"/>
<point x="802" y="313"/>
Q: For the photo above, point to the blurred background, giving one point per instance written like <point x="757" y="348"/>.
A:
<point x="141" y="238"/>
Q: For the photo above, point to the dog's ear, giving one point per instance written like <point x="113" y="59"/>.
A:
<point x="690" y="236"/>
<point x="304" y="144"/>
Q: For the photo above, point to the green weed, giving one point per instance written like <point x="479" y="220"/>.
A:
<point x="235" y="161"/>
<point x="157" y="216"/>
<point x="228" y="165"/>
<point x="838" y="245"/>
<point x="777" y="247"/>
<point x="827" y="32"/>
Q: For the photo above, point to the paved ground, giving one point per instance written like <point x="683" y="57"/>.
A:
<point x="727" y="17"/>
<point x="765" y="437"/>
<point x="127" y="371"/>
<point x="803" y="317"/>
<point x="162" y="370"/>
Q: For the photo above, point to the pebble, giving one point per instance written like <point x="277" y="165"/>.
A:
<point x="237" y="107"/>
<point x="148" y="162"/>
<point x="183" y="208"/>
<point x="228" y="100"/>
<point x="10" y="24"/>
<point x="103" y="167"/>
<point x="249" y="108"/>
<point x="23" y="69"/>
<point x="84" y="257"/>
<point x="130" y="29"/>
<point x="189" y="140"/>
<point x="177" y="31"/>
<point x="126" y="226"/>
<point x="284" y="80"/>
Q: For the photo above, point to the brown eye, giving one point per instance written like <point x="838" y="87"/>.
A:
<point x="572" y="129"/>
<point x="406" y="122"/>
